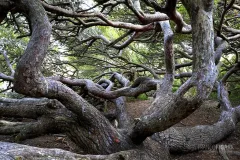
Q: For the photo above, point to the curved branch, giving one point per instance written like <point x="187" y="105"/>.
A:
<point x="169" y="108"/>
<point x="6" y="78"/>
<point x="28" y="78"/>
<point x="222" y="45"/>
<point x="114" y="43"/>
<point x="234" y="68"/>
<point x="25" y="130"/>
<point x="8" y="62"/>
<point x="166" y="86"/>
<point x="120" y="102"/>
<point x="103" y="20"/>
<point x="226" y="8"/>
<point x="139" y="65"/>
<point x="168" y="47"/>
<point x="14" y="151"/>
<point x="172" y="13"/>
<point x="27" y="107"/>
<point x="140" y="85"/>
<point x="29" y="81"/>
<point x="188" y="139"/>
<point x="235" y="6"/>
<point x="144" y="18"/>
<point x="232" y="30"/>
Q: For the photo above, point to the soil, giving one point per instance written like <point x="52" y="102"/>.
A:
<point x="207" y="114"/>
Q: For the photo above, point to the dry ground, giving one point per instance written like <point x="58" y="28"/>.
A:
<point x="206" y="114"/>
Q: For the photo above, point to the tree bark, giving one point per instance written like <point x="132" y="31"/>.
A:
<point x="87" y="127"/>
<point x="188" y="139"/>
<point x="11" y="151"/>
<point x="92" y="130"/>
<point x="169" y="108"/>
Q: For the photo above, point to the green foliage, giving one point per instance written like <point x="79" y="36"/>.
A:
<point x="213" y="95"/>
<point x="235" y="96"/>
<point x="110" y="32"/>
<point x="181" y="9"/>
<point x="174" y="89"/>
<point x="191" y="93"/>
<point x="176" y="84"/>
<point x="10" y="43"/>
<point x="142" y="97"/>
<point x="180" y="37"/>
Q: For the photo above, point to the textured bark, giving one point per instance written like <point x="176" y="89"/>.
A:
<point x="165" y="111"/>
<point x="122" y="118"/>
<point x="141" y="85"/>
<point x="92" y="131"/>
<point x="169" y="108"/>
<point x="188" y="139"/>
<point x="10" y="151"/>
<point x="87" y="127"/>
<point x="43" y="116"/>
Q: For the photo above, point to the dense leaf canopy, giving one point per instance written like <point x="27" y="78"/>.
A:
<point x="91" y="38"/>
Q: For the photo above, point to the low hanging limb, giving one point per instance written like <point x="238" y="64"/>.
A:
<point x="44" y="116"/>
<point x="122" y="118"/>
<point x="18" y="151"/>
<point x="188" y="139"/>
<point x="141" y="85"/>
<point x="25" y="130"/>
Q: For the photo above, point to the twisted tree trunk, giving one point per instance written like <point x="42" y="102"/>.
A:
<point x="87" y="127"/>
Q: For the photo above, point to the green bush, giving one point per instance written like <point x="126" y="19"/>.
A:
<point x="142" y="97"/>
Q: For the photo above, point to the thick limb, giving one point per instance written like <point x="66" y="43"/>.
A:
<point x="187" y="139"/>
<point x="141" y="85"/>
<point x="11" y="151"/>
<point x="43" y="116"/>
<point x="122" y="117"/>
<point x="25" y="130"/>
<point x="91" y="129"/>
<point x="169" y="108"/>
